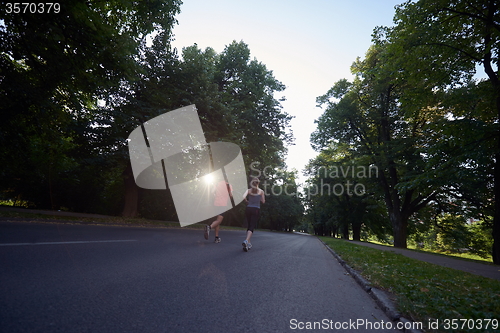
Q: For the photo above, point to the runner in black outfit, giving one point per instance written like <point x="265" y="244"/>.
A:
<point x="253" y="197"/>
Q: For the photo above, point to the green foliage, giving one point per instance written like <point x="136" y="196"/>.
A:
<point x="340" y="195"/>
<point x="233" y="94"/>
<point x="283" y="209"/>
<point x="366" y="116"/>
<point x="454" y="234"/>
<point x="423" y="291"/>
<point x="437" y="46"/>
<point x="75" y="84"/>
<point x="415" y="111"/>
<point x="54" y="68"/>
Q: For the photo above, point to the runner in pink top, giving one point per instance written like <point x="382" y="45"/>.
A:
<point x="223" y="192"/>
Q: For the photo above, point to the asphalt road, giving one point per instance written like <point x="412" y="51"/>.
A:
<point x="74" y="278"/>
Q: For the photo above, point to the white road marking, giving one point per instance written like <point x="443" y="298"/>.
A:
<point x="73" y="242"/>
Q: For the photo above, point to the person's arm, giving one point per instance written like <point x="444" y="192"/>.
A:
<point x="262" y="197"/>
<point x="245" y="196"/>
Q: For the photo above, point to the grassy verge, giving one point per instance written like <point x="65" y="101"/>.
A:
<point x="463" y="256"/>
<point x="466" y="256"/>
<point x="111" y="220"/>
<point x="425" y="292"/>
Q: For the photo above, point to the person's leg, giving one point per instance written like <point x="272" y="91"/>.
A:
<point x="252" y="218"/>
<point x="249" y="235"/>
<point x="248" y="216"/>
<point x="218" y="226"/>
<point x="215" y="224"/>
<point x="252" y="223"/>
<point x="217" y="231"/>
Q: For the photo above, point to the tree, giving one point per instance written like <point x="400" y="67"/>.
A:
<point x="233" y="94"/>
<point x="158" y="89"/>
<point x="76" y="83"/>
<point x="440" y="43"/>
<point x="54" y="68"/>
<point x="342" y="193"/>
<point x="283" y="209"/>
<point x="248" y="90"/>
<point x="369" y="117"/>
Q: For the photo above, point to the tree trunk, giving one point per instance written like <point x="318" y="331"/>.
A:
<point x="496" y="217"/>
<point x="496" y="191"/>
<point x="356" y="231"/>
<point x="335" y="232"/>
<point x="399" y="229"/>
<point x="488" y="59"/>
<point x="130" y="208"/>
<point x="398" y="222"/>
<point x="345" y="232"/>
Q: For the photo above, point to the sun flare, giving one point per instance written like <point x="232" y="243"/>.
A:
<point x="209" y="178"/>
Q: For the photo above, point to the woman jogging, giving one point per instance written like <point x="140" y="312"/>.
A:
<point x="255" y="198"/>
<point x="223" y="193"/>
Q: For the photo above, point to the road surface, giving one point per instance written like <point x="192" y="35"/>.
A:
<point x="76" y="278"/>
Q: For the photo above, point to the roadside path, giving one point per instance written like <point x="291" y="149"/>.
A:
<point x="486" y="270"/>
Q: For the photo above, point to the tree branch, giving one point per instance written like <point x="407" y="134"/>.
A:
<point x="475" y="16"/>
<point x="452" y="47"/>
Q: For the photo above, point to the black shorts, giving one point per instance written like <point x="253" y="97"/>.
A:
<point x="252" y="214"/>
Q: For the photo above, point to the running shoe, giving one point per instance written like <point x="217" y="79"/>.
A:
<point x="249" y="246"/>
<point x="207" y="231"/>
<point x="217" y="239"/>
<point x="245" y="245"/>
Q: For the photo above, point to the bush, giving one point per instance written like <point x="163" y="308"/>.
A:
<point x="454" y="234"/>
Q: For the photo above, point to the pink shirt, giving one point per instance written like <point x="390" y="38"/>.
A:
<point x="221" y="194"/>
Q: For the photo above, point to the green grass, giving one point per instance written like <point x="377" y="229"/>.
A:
<point x="464" y="256"/>
<point x="111" y="220"/>
<point x="467" y="256"/>
<point x="424" y="291"/>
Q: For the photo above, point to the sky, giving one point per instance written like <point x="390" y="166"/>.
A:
<point x="308" y="45"/>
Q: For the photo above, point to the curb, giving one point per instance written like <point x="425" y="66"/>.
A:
<point x="378" y="295"/>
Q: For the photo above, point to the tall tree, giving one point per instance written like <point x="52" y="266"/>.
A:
<point x="366" y="114"/>
<point x="54" y="67"/>
<point x="283" y="209"/>
<point x="342" y="190"/>
<point x="248" y="89"/>
<point x="442" y="43"/>
<point x="234" y="96"/>
<point x="158" y="89"/>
